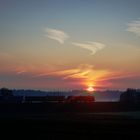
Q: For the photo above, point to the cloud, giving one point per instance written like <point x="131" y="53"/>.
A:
<point x="87" y="74"/>
<point x="21" y="71"/>
<point x="57" y="35"/>
<point x="84" y="72"/>
<point x="93" y="47"/>
<point x="134" y="27"/>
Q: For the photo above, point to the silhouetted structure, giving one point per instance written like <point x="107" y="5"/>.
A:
<point x="6" y="96"/>
<point x="55" y="98"/>
<point x="34" y="99"/>
<point x="43" y="99"/>
<point x="80" y="99"/>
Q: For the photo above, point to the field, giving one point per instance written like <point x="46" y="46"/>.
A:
<point x="71" y="121"/>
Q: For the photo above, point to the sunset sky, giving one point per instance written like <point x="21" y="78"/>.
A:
<point x="70" y="44"/>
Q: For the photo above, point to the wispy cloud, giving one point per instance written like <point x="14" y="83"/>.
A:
<point x="93" y="47"/>
<point x="87" y="74"/>
<point x="57" y="35"/>
<point x="134" y="27"/>
<point x="21" y="71"/>
<point x="84" y="72"/>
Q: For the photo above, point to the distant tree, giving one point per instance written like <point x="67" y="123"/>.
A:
<point x="6" y="92"/>
<point x="129" y="96"/>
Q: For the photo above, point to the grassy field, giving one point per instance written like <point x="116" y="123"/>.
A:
<point x="70" y="121"/>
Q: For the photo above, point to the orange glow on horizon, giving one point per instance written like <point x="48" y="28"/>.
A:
<point x="90" y="89"/>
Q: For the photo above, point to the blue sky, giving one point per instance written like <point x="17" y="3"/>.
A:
<point x="80" y="18"/>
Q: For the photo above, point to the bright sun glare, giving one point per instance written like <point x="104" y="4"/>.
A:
<point x="90" y="89"/>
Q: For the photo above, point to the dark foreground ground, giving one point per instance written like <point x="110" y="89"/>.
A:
<point x="70" y="121"/>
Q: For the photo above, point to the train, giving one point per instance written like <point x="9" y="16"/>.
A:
<point x="46" y="99"/>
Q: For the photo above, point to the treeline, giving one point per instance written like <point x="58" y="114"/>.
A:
<point x="131" y="96"/>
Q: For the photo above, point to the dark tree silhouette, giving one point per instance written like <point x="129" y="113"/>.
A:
<point x="130" y="96"/>
<point x="6" y="92"/>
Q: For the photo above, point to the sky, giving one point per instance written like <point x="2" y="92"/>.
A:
<point x="70" y="44"/>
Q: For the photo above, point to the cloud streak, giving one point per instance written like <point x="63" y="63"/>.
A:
<point x="93" y="47"/>
<point x="57" y="35"/>
<point x="84" y="73"/>
<point x="134" y="27"/>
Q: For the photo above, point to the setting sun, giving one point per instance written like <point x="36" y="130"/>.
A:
<point x="90" y="89"/>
